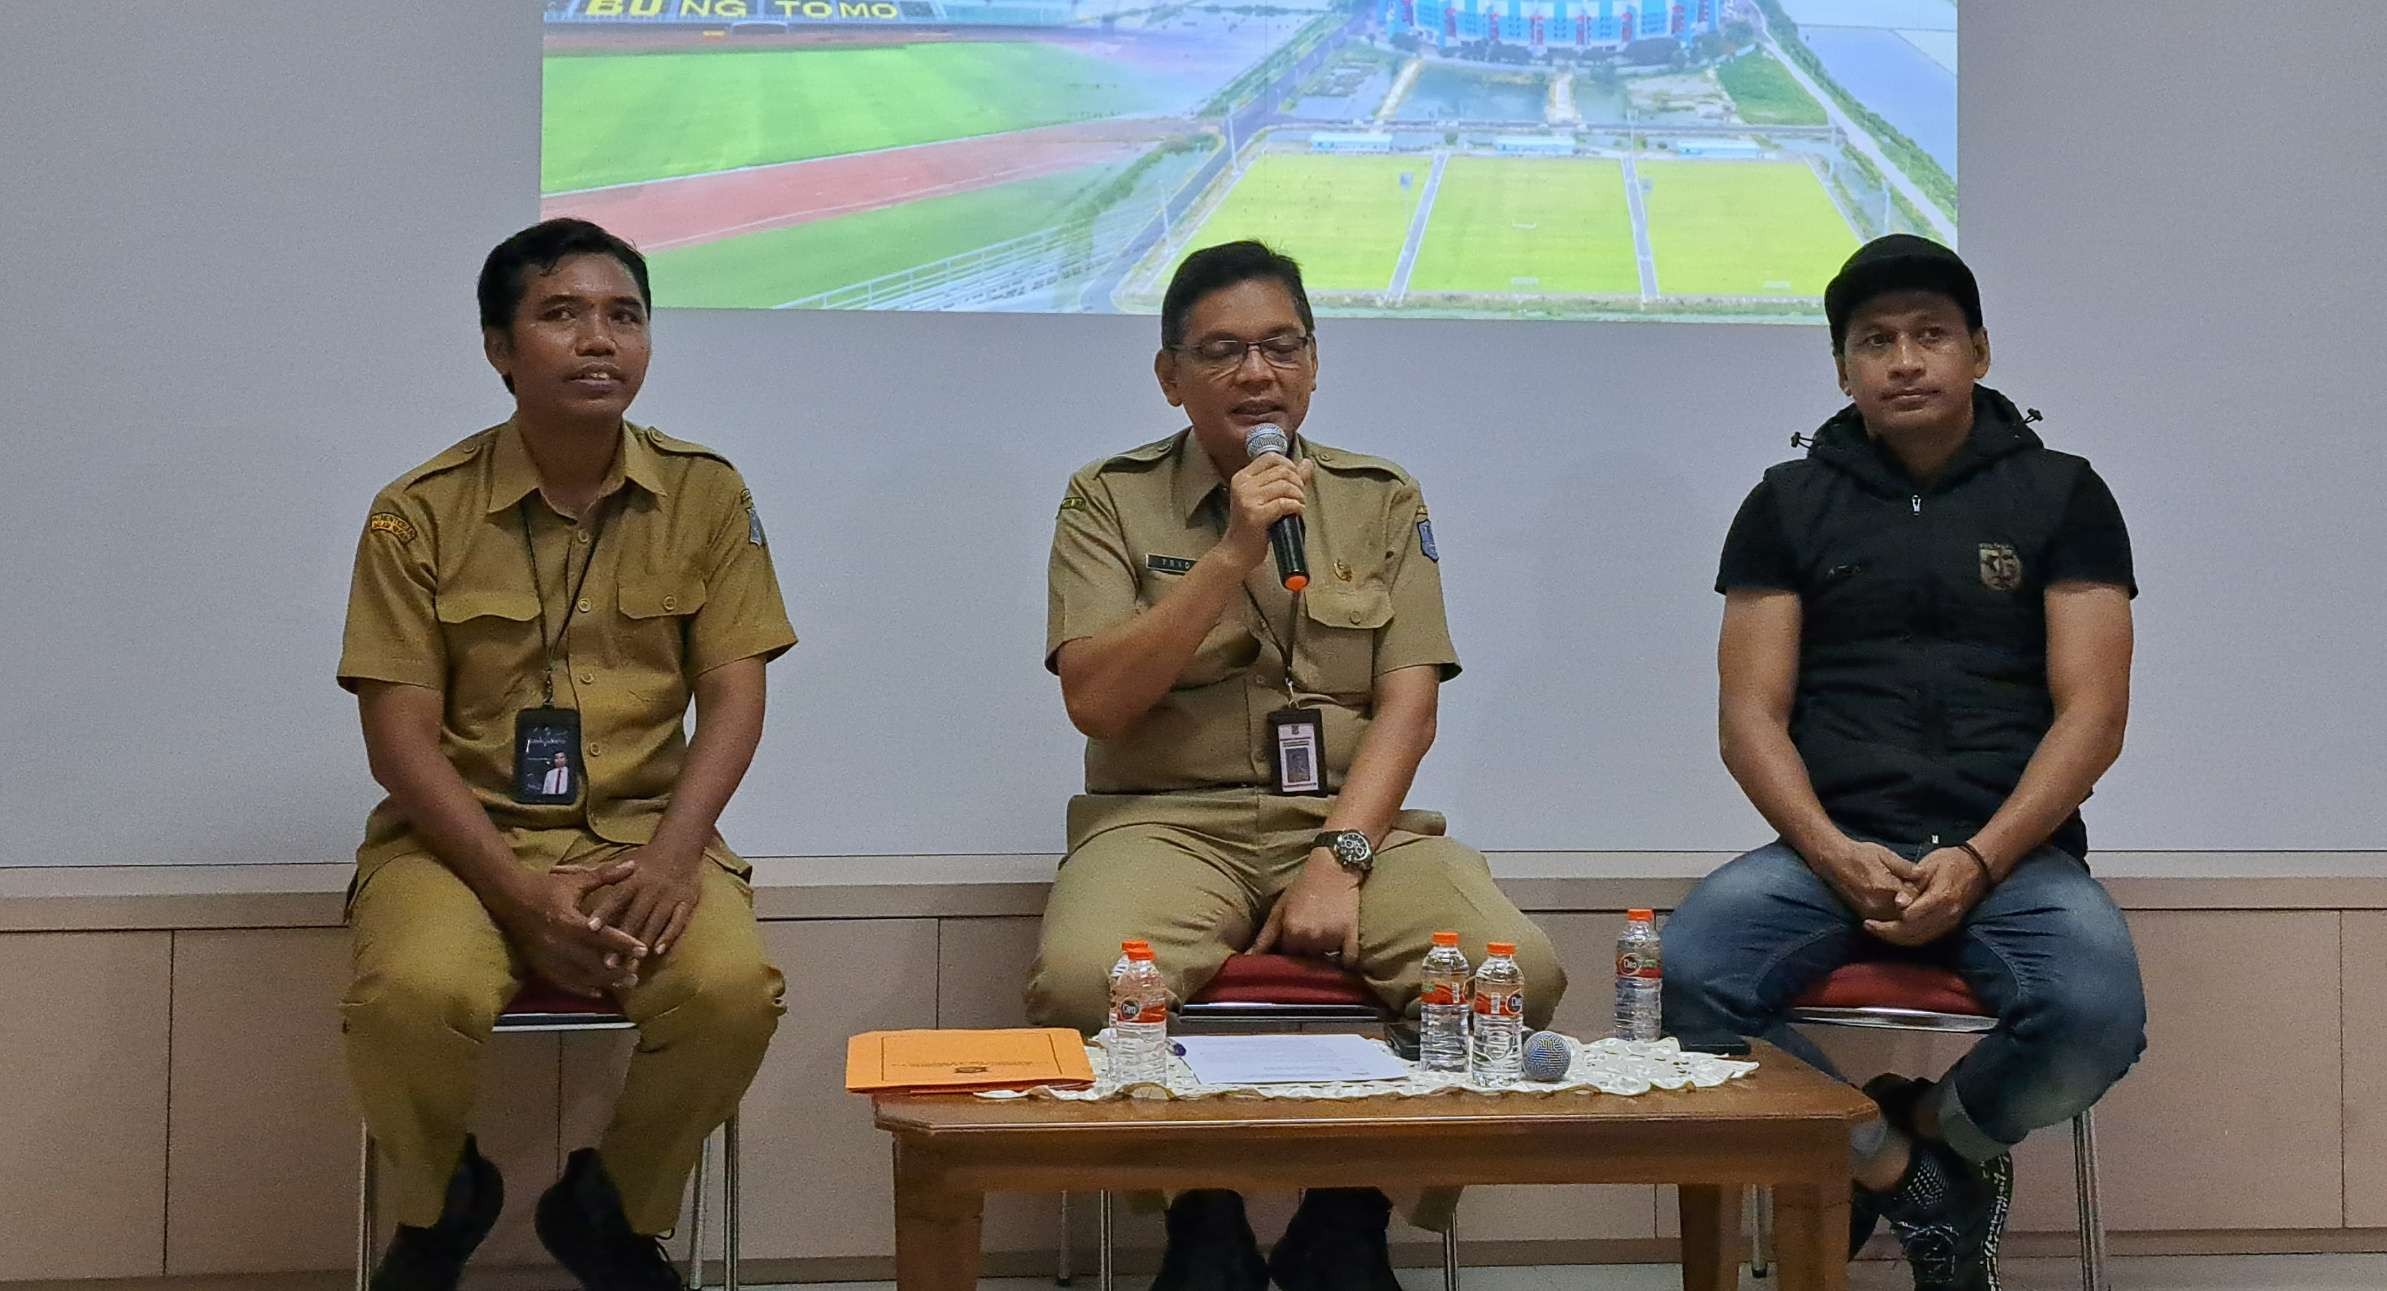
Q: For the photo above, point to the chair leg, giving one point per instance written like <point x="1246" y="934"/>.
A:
<point x="365" y="1202"/>
<point x="1102" y="1250"/>
<point x="2092" y="1220"/>
<point x="1761" y="1231"/>
<point x="1061" y="1269"/>
<point x="704" y="1154"/>
<point x="1450" y="1256"/>
<point x="729" y="1203"/>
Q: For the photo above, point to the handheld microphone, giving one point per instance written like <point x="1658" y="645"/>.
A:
<point x="1287" y="538"/>
<point x="1547" y="1056"/>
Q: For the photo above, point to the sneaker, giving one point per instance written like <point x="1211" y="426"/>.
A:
<point x="1210" y="1245"/>
<point x="580" y="1222"/>
<point x="432" y="1259"/>
<point x="1898" y="1096"/>
<point x="1949" y="1215"/>
<point x="1336" y="1242"/>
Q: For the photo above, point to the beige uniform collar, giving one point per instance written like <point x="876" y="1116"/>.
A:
<point x="1192" y="476"/>
<point x="513" y="476"/>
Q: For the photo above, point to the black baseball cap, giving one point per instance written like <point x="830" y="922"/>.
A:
<point x="1899" y="262"/>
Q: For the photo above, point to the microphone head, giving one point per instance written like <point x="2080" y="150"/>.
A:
<point x="1547" y="1056"/>
<point x="1266" y="439"/>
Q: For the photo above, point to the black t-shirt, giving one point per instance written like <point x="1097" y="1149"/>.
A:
<point x="2091" y="545"/>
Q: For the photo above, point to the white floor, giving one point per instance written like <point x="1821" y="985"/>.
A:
<point x="2146" y="1273"/>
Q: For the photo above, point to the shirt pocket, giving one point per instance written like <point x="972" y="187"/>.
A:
<point x="492" y="642"/>
<point x="652" y="641"/>
<point x="1337" y="651"/>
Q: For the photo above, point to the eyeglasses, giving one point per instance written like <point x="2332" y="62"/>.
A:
<point x="1225" y="353"/>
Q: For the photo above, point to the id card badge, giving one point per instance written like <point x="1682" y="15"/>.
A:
<point x="1298" y="735"/>
<point x="547" y="756"/>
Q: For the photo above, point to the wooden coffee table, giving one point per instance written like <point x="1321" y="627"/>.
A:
<point x="1785" y="1126"/>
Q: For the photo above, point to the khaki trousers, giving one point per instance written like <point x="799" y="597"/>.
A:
<point x="432" y="970"/>
<point x="1196" y="873"/>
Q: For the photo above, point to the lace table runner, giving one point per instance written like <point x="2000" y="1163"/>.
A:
<point x="1606" y="1066"/>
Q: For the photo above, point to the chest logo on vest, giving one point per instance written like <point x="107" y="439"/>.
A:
<point x="2001" y="567"/>
<point x="1169" y="564"/>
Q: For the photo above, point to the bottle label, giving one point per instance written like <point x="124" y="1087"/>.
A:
<point x="1438" y="993"/>
<point x="1632" y="963"/>
<point x="1495" y="1005"/>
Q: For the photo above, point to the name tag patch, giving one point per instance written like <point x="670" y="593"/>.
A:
<point x="1169" y="564"/>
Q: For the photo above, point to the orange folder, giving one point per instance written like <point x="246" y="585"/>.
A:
<point x="1018" y="1058"/>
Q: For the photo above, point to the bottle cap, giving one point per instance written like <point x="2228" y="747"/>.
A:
<point x="1139" y="952"/>
<point x="1446" y="939"/>
<point x="1641" y="916"/>
<point x="1501" y="947"/>
<point x="1133" y="942"/>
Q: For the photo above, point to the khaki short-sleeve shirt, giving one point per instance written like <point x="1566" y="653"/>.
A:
<point x="1131" y="525"/>
<point x="443" y="597"/>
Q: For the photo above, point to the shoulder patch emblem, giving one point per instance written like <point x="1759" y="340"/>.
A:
<point x="1073" y="503"/>
<point x="2001" y="567"/>
<point x="1425" y="540"/>
<point x="754" y="519"/>
<point x="391" y="523"/>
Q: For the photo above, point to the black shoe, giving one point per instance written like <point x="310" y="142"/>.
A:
<point x="1949" y="1215"/>
<point x="1898" y="1097"/>
<point x="1210" y="1245"/>
<point x="432" y="1259"/>
<point x="581" y="1224"/>
<point x="1335" y="1242"/>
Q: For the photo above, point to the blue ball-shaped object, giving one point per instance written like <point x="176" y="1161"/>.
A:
<point x="1547" y="1055"/>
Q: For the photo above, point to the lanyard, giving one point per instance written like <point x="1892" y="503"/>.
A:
<point x="549" y="650"/>
<point x="1284" y="644"/>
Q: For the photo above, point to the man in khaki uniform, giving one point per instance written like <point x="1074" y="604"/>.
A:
<point x="552" y="592"/>
<point x="1176" y="644"/>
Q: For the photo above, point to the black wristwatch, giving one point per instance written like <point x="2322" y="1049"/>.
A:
<point x="1350" y="849"/>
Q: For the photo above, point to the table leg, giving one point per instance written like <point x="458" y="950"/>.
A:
<point x="1711" y="1237"/>
<point x="1811" y="1236"/>
<point x="936" y="1227"/>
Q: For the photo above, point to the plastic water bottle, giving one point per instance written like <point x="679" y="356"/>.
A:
<point x="1442" y="1008"/>
<point x="1124" y="947"/>
<point x="1139" y="1047"/>
<point x="1639" y="977"/>
<point x="1499" y="1016"/>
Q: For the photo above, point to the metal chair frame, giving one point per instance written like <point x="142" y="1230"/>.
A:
<point x="1272" y="1015"/>
<point x="2084" y="1130"/>
<point x="534" y="1022"/>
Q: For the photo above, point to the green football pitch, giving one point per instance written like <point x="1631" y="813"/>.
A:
<point x="775" y="267"/>
<point x="1343" y="218"/>
<point x="1529" y="225"/>
<point x="620" y="118"/>
<point x="1742" y="228"/>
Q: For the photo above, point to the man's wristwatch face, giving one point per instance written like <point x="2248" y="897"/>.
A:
<point x="1350" y="849"/>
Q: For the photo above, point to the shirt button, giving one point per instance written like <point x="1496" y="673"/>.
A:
<point x="671" y="602"/>
<point x="588" y="679"/>
<point x="596" y="751"/>
<point x="584" y="537"/>
<point x="584" y="605"/>
<point x="1356" y="615"/>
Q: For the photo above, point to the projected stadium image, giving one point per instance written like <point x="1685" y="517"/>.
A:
<point x="1675" y="159"/>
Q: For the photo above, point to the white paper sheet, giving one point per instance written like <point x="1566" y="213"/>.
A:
<point x="1290" y="1059"/>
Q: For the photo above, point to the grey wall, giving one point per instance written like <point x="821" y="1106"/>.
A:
<point x="237" y="245"/>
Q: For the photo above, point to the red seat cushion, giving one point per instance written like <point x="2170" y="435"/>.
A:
<point x="1892" y="985"/>
<point x="540" y="996"/>
<point x="1284" y="979"/>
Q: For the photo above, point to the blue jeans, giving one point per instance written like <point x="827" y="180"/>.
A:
<point x="2046" y="951"/>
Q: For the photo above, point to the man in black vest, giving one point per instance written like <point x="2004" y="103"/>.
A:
<point x="1924" y="667"/>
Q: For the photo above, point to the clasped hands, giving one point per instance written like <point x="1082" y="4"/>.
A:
<point x="1905" y="903"/>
